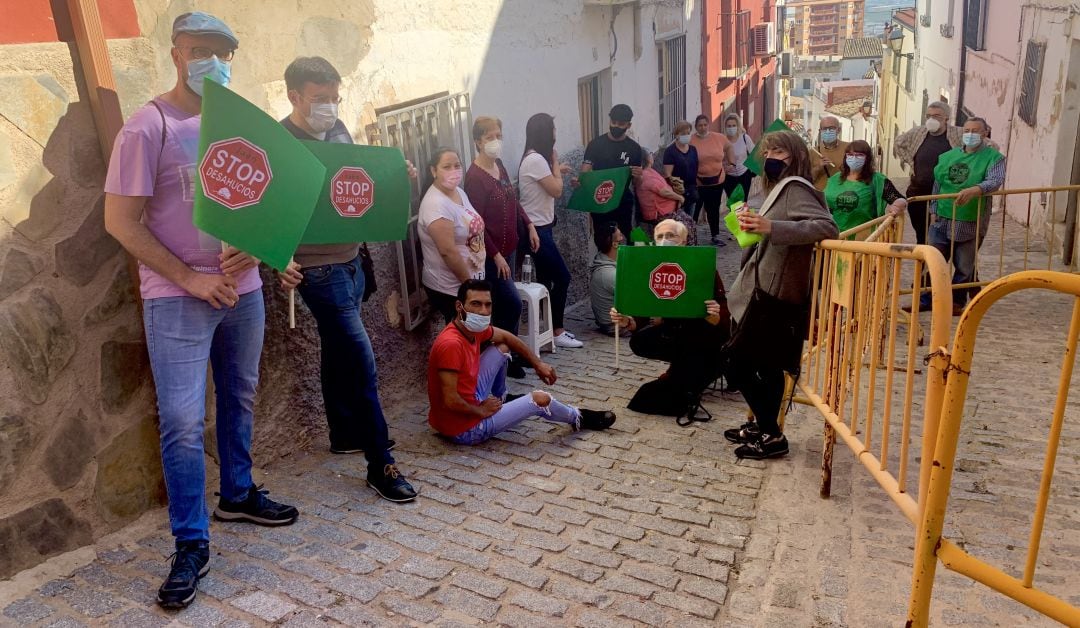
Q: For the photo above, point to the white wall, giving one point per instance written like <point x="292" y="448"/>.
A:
<point x="516" y="58"/>
<point x="937" y="57"/>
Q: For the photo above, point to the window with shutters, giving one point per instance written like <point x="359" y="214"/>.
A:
<point x="1029" y="86"/>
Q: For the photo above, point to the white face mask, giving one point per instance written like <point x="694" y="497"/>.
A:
<point x="493" y="149"/>
<point x="731" y="131"/>
<point x="666" y="243"/>
<point x="684" y="139"/>
<point x="323" y="117"/>
<point x="476" y="323"/>
<point x="932" y="125"/>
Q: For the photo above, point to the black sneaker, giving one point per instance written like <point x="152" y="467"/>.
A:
<point x="391" y="485"/>
<point x="256" y="508"/>
<point x="190" y="562"/>
<point x="356" y="449"/>
<point x="746" y="433"/>
<point x="596" y="419"/>
<point x="515" y="370"/>
<point x="768" y="446"/>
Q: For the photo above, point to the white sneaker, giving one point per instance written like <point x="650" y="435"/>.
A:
<point x="564" y="341"/>
<point x="569" y="334"/>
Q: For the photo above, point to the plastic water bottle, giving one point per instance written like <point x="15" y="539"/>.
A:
<point x="527" y="269"/>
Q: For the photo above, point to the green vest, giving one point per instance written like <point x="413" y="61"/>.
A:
<point x="853" y="203"/>
<point x="957" y="170"/>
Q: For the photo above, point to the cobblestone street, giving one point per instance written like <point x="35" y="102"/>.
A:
<point x="645" y="524"/>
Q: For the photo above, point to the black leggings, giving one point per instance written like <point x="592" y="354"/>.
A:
<point x="692" y="348"/>
<point x="443" y="303"/>
<point x="710" y="198"/>
<point x="744" y="180"/>
<point x="763" y="390"/>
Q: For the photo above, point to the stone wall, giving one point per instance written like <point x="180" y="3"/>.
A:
<point x="79" y="452"/>
<point x="78" y="441"/>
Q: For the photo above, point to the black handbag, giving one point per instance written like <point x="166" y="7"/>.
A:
<point x="771" y="331"/>
<point x="368" y="268"/>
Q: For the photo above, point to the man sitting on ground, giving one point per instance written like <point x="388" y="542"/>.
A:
<point x="607" y="238"/>
<point x="467" y="382"/>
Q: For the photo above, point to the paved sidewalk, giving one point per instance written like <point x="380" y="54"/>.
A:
<point x="646" y="524"/>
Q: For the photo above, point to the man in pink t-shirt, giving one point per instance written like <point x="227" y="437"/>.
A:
<point x="201" y="302"/>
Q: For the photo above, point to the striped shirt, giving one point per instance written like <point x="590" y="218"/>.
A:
<point x="965" y="230"/>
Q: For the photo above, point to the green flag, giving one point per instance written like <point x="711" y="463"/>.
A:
<point x="600" y="191"/>
<point x="365" y="197"/>
<point x="754" y="161"/>
<point x="256" y="184"/>
<point x="672" y="281"/>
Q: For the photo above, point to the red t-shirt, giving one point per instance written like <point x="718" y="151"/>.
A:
<point x="653" y="206"/>
<point x="452" y="351"/>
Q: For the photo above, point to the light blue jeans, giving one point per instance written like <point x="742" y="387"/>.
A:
<point x="182" y="334"/>
<point x="491" y="381"/>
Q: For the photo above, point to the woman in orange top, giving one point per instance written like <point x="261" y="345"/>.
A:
<point x="714" y="153"/>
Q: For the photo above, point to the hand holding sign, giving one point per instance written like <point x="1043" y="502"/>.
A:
<point x="664" y="281"/>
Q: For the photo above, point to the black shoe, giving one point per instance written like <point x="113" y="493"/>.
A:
<point x="768" y="446"/>
<point x="515" y="370"/>
<point x="256" y="508"/>
<point x="597" y="419"/>
<point x="356" y="449"/>
<point x="391" y="485"/>
<point x="512" y="396"/>
<point x="190" y="562"/>
<point x="745" y="433"/>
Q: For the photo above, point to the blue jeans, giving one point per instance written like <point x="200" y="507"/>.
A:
<point x="491" y="381"/>
<point x="506" y="303"/>
<point x="350" y="385"/>
<point x="182" y="333"/>
<point x="552" y="272"/>
<point x="963" y="261"/>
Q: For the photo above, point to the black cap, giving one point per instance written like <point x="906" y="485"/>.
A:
<point x="621" y="113"/>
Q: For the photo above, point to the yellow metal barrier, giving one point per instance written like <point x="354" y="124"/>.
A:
<point x="881" y="229"/>
<point x="931" y="546"/>
<point x="1046" y="197"/>
<point x="850" y="368"/>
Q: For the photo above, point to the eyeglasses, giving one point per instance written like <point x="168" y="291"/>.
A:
<point x="202" y="52"/>
<point x="324" y="100"/>
<point x="666" y="236"/>
<point x="830" y="128"/>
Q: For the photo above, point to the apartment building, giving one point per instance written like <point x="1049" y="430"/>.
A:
<point x="819" y="27"/>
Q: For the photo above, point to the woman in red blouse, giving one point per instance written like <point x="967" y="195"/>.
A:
<point x="488" y="186"/>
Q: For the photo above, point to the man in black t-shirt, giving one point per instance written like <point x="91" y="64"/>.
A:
<point x="614" y="150"/>
<point x="919" y="149"/>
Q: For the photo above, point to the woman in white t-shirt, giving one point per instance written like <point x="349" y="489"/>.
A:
<point x="540" y="179"/>
<point x="451" y="234"/>
<point x="741" y="147"/>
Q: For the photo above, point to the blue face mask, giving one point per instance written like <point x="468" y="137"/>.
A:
<point x="828" y="136"/>
<point x="855" y="162"/>
<point x="476" y="323"/>
<point x="214" y="68"/>
<point x="684" y="139"/>
<point x="971" y="140"/>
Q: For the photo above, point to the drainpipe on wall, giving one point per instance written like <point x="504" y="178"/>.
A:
<point x="963" y="58"/>
<point x="96" y="71"/>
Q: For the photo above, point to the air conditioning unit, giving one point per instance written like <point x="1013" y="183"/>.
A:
<point x="925" y="21"/>
<point x="947" y="31"/>
<point x="763" y="39"/>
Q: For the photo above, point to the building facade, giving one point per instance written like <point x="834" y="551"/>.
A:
<point x="821" y="26"/>
<point x="739" y="61"/>
<point x="899" y="108"/>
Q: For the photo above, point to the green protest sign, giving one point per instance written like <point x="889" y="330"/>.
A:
<point x="256" y="184"/>
<point x="365" y="197"/>
<point x="600" y="191"/>
<point x="754" y="161"/>
<point x="672" y="281"/>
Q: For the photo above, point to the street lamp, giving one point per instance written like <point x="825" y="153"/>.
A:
<point x="895" y="39"/>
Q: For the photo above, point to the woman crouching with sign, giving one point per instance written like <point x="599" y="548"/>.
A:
<point x="690" y="345"/>
<point x="770" y="298"/>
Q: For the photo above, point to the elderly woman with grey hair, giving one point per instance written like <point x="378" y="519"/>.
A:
<point x="792" y="220"/>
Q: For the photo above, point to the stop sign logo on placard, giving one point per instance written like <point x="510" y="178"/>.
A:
<point x="352" y="192"/>
<point x="604" y="192"/>
<point x="235" y="173"/>
<point x="667" y="281"/>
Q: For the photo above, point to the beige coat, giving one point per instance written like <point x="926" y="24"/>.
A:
<point x="800" y="219"/>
